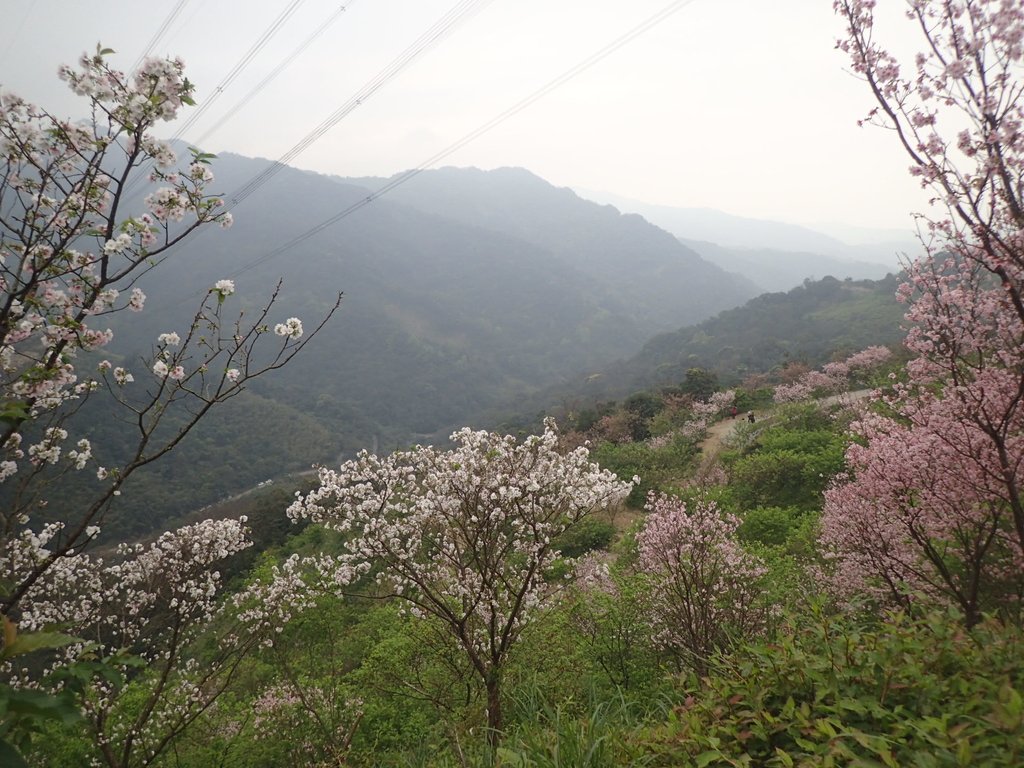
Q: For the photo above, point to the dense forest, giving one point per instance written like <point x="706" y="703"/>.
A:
<point x="697" y="527"/>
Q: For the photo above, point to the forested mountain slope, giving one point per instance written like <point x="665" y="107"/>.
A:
<point x="447" y="313"/>
<point x="810" y="324"/>
<point x="643" y="269"/>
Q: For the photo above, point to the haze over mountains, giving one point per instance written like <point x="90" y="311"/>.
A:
<point x="884" y="246"/>
<point x="777" y="256"/>
<point x="466" y="293"/>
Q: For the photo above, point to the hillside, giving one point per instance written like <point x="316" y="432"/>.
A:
<point x="644" y="269"/>
<point x="448" y="313"/>
<point x="776" y="270"/>
<point x="810" y="324"/>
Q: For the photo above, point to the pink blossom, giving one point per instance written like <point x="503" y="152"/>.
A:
<point x="704" y="585"/>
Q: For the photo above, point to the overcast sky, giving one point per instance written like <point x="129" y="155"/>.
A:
<point x="738" y="105"/>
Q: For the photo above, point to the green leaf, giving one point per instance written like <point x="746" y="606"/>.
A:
<point x="785" y="757"/>
<point x="706" y="758"/>
<point x="963" y="753"/>
<point x="10" y="757"/>
<point x="35" y="641"/>
<point x="14" y="412"/>
<point x="510" y="758"/>
<point x="41" y="705"/>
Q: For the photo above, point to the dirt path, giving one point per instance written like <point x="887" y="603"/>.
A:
<point x="718" y="432"/>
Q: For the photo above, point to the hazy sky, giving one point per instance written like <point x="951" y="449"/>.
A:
<point x="738" y="105"/>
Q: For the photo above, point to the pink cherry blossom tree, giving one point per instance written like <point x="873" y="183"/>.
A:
<point x="835" y="377"/>
<point x="75" y="247"/>
<point x="703" y="583"/>
<point x="464" y="536"/>
<point x="936" y="491"/>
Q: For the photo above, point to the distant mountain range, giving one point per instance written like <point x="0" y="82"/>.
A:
<point x="776" y="255"/>
<point x="465" y="292"/>
<point x="811" y="324"/>
<point x="774" y="270"/>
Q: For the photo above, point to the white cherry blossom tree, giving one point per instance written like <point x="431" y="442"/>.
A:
<point x="75" y="247"/>
<point x="464" y="536"/>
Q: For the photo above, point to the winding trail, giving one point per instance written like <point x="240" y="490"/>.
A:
<point x="718" y="432"/>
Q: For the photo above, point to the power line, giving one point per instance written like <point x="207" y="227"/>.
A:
<point x="229" y="78"/>
<point x="186" y="23"/>
<point x="158" y="35"/>
<point x="16" y="33"/>
<point x="276" y="71"/>
<point x="458" y="14"/>
<point x="242" y="63"/>
<point x="519" y="106"/>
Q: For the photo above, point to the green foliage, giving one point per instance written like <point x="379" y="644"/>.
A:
<point x="550" y="736"/>
<point x="25" y="712"/>
<point x="808" y="323"/>
<point x="701" y="383"/>
<point x="788" y="466"/>
<point x="773" y="526"/>
<point x="588" y="534"/>
<point x="833" y="691"/>
<point x="614" y="637"/>
<point x="658" y="468"/>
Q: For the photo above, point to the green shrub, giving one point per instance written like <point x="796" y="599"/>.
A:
<point x="587" y="535"/>
<point x="773" y="526"/>
<point x="831" y="691"/>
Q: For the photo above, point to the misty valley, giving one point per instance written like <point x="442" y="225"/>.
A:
<point x="461" y="467"/>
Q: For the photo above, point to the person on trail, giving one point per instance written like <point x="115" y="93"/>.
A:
<point x="733" y="411"/>
<point x="750" y="417"/>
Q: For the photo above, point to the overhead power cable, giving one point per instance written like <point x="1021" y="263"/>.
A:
<point x="229" y="78"/>
<point x="275" y="71"/>
<point x="242" y="63"/>
<point x="14" y="33"/>
<point x="457" y="15"/>
<point x="161" y="31"/>
<point x="519" y="106"/>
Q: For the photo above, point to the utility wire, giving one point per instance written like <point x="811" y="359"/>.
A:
<point x="185" y="23"/>
<point x="229" y="78"/>
<point x="519" y="106"/>
<point x="275" y="71"/>
<point x="457" y="15"/>
<point x="16" y="31"/>
<point x="240" y="66"/>
<point x="158" y="35"/>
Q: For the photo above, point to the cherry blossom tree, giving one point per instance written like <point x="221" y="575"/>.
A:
<point x="137" y="617"/>
<point x="936" y="491"/>
<point x="835" y="377"/>
<point x="703" y="583"/>
<point x="318" y="722"/>
<point x="917" y="518"/>
<point x="464" y="536"/>
<point x="74" y="247"/>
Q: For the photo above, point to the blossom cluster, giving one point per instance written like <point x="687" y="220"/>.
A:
<point x="60" y="271"/>
<point x="923" y="492"/>
<point x="464" y="534"/>
<point x="834" y="377"/>
<point x="703" y="583"/>
<point x="150" y="601"/>
<point x="291" y="328"/>
<point x="932" y="507"/>
<point x="320" y="727"/>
